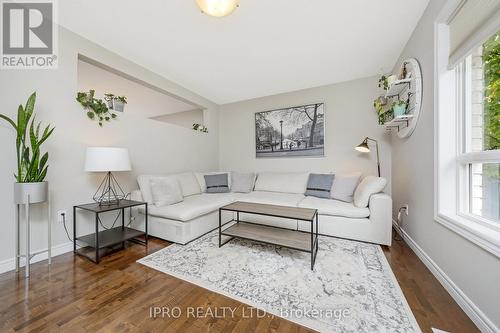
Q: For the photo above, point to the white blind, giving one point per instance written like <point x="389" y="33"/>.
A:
<point x="471" y="24"/>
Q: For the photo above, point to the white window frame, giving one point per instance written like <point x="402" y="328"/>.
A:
<point x="451" y="160"/>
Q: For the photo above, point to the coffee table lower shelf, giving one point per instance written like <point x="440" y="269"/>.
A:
<point x="296" y="240"/>
<point x="270" y="235"/>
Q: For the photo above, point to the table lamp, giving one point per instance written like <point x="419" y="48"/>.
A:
<point x="107" y="159"/>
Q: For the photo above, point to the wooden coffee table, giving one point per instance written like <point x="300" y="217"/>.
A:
<point x="293" y="239"/>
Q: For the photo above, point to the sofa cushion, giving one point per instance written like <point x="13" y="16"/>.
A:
<point x="368" y="186"/>
<point x="218" y="183"/>
<point x="285" y="182"/>
<point x="200" y="177"/>
<point x="189" y="184"/>
<point x="242" y="182"/>
<point x="319" y="185"/>
<point x="334" y="207"/>
<point x="343" y="186"/>
<point x="192" y="207"/>
<point x="165" y="191"/>
<point x="271" y="198"/>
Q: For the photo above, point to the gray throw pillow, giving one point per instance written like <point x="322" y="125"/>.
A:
<point x="242" y="182"/>
<point x="319" y="185"/>
<point x="344" y="186"/>
<point x="217" y="183"/>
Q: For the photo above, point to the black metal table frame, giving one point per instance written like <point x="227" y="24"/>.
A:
<point x="97" y="220"/>
<point x="314" y="236"/>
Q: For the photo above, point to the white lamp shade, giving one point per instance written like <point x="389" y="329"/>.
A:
<point x="104" y="159"/>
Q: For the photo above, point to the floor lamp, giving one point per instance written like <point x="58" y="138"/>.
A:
<point x="364" y="148"/>
<point x="108" y="159"/>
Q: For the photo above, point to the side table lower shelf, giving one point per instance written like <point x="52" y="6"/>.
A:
<point x="95" y="245"/>
<point x="108" y="239"/>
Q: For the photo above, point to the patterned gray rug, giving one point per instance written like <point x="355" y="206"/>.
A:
<point x="352" y="287"/>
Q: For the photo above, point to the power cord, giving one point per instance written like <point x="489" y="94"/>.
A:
<point x="64" y="224"/>
<point x="397" y="236"/>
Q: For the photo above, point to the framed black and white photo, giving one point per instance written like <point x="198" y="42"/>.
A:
<point x="291" y="132"/>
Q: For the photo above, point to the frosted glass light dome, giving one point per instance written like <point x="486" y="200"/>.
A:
<point x="217" y="8"/>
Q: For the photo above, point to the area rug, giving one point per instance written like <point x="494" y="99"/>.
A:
<point x="352" y="287"/>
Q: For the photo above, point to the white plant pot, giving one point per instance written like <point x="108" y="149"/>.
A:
<point x="118" y="105"/>
<point x="38" y="192"/>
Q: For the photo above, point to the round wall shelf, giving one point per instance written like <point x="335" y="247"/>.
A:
<point x="408" y="89"/>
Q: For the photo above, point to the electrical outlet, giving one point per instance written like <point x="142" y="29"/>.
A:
<point x="406" y="210"/>
<point x="60" y="214"/>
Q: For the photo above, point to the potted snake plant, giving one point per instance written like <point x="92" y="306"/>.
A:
<point x="31" y="164"/>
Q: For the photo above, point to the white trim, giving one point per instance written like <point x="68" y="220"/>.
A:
<point x="10" y="264"/>
<point x="483" y="236"/>
<point x="488" y="156"/>
<point x="475" y="314"/>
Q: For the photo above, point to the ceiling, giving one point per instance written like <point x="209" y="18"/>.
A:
<point x="265" y="47"/>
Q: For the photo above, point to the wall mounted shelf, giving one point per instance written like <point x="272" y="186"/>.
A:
<point x="409" y="90"/>
<point x="397" y="87"/>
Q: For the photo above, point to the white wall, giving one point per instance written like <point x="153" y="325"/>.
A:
<point x="155" y="147"/>
<point x="349" y="117"/>
<point x="474" y="271"/>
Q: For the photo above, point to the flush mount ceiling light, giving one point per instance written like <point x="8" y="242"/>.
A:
<point x="217" y="8"/>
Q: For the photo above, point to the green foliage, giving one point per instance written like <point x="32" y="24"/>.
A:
<point x="379" y="107"/>
<point x="95" y="108"/>
<point x="110" y="97"/>
<point x="31" y="165"/>
<point x="383" y="82"/>
<point x="491" y="61"/>
<point x="398" y="102"/>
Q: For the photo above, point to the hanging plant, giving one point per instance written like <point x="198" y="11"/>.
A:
<point x="95" y="108"/>
<point x="200" y="127"/>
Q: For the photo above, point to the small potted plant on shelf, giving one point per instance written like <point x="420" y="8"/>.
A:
<point x="96" y="108"/>
<point x="31" y="164"/>
<point x="386" y="81"/>
<point x="383" y="83"/>
<point x="399" y="108"/>
<point x="116" y="103"/>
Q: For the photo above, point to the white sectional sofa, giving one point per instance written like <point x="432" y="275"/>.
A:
<point x="198" y="213"/>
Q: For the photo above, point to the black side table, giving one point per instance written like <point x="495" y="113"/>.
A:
<point x="109" y="238"/>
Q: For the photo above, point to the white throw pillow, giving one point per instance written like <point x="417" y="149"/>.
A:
<point x="166" y="191"/>
<point x="189" y="184"/>
<point x="144" y="182"/>
<point x="285" y="182"/>
<point x="242" y="182"/>
<point x="343" y="186"/>
<point x="368" y="186"/>
<point x="200" y="177"/>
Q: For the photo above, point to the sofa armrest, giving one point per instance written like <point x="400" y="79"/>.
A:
<point x="136" y="195"/>
<point x="380" y="206"/>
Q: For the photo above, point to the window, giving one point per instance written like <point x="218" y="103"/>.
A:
<point x="478" y="105"/>
<point x="467" y="123"/>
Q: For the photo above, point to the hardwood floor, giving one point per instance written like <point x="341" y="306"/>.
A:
<point x="75" y="295"/>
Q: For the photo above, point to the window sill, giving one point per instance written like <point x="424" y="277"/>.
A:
<point x="486" y="238"/>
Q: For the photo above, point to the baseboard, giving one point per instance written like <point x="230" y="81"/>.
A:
<point x="10" y="264"/>
<point x="475" y="314"/>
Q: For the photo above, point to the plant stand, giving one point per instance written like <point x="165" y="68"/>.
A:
<point x="27" y="198"/>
